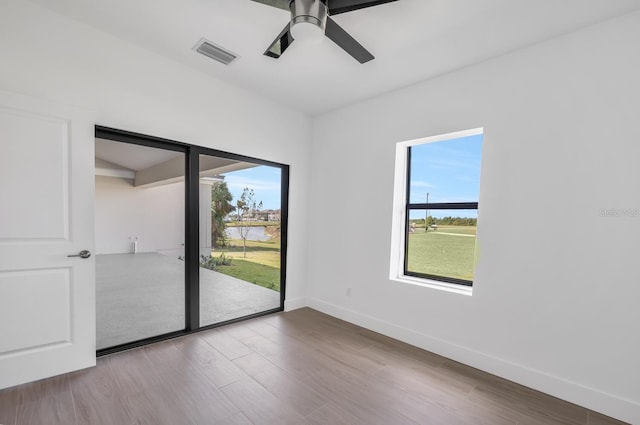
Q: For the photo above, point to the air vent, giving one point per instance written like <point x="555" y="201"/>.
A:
<point x="212" y="51"/>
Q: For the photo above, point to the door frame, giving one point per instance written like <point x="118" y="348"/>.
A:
<point x="191" y="228"/>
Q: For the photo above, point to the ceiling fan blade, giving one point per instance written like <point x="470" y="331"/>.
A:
<point x="280" y="4"/>
<point x="342" y="6"/>
<point x="346" y="42"/>
<point x="280" y="44"/>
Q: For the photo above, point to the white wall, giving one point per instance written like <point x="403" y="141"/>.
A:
<point x="555" y="301"/>
<point x="154" y="215"/>
<point x="554" y="307"/>
<point x="50" y="56"/>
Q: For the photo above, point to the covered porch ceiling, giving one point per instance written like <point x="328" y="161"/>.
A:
<point x="150" y="167"/>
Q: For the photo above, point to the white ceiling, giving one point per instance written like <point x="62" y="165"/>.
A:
<point x="412" y="40"/>
<point x="132" y="157"/>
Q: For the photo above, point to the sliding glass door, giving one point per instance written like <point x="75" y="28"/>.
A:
<point x="240" y="238"/>
<point x="186" y="238"/>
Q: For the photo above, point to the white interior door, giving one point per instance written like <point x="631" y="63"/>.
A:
<point x="47" y="299"/>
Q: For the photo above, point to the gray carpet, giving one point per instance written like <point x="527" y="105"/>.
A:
<point x="142" y="295"/>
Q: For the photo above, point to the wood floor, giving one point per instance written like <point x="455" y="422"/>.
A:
<point x="297" y="368"/>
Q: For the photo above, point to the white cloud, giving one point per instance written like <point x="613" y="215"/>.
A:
<point x="236" y="182"/>
<point x="420" y="183"/>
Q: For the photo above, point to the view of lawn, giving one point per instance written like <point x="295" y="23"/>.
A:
<point x="447" y="251"/>
<point x="250" y="271"/>
<point x="261" y="265"/>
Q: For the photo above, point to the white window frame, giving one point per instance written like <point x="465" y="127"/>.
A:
<point x="398" y="232"/>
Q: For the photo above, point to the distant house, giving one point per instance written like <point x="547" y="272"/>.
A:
<point x="268" y="215"/>
<point x="274" y="216"/>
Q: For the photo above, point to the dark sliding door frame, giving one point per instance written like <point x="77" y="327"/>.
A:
<point x="192" y="227"/>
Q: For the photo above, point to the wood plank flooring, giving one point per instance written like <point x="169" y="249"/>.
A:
<point x="298" y="368"/>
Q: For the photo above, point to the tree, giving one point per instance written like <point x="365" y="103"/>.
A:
<point x="220" y="207"/>
<point x="246" y="209"/>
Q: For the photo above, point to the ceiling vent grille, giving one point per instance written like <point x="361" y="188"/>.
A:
<point x="214" y="52"/>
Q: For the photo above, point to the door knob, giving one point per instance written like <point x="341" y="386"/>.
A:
<point x="82" y="254"/>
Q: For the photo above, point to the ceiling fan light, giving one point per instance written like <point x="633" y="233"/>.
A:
<point x="307" y="32"/>
<point x="308" y="20"/>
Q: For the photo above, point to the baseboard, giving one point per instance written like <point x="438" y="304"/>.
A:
<point x="607" y="404"/>
<point x="295" y="303"/>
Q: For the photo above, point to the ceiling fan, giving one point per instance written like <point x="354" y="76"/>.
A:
<point x="311" y="21"/>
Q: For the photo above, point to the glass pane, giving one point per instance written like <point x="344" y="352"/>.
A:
<point x="446" y="171"/>
<point x="139" y="225"/>
<point x="240" y="243"/>
<point x="446" y="247"/>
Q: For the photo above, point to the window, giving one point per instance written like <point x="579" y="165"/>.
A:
<point x="436" y="209"/>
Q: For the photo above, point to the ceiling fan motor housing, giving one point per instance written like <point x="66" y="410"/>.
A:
<point x="310" y="11"/>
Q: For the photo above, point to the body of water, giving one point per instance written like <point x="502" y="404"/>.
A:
<point x="255" y="233"/>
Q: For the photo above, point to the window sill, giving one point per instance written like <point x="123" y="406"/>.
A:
<point x="435" y="284"/>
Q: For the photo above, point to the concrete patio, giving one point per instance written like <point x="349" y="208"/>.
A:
<point x="142" y="295"/>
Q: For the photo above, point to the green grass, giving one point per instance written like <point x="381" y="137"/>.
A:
<point x="261" y="252"/>
<point x="249" y="271"/>
<point x="439" y="254"/>
<point x="464" y="230"/>
<point x="261" y="266"/>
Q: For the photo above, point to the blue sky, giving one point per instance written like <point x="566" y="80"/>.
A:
<point x="264" y="180"/>
<point x="449" y="171"/>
